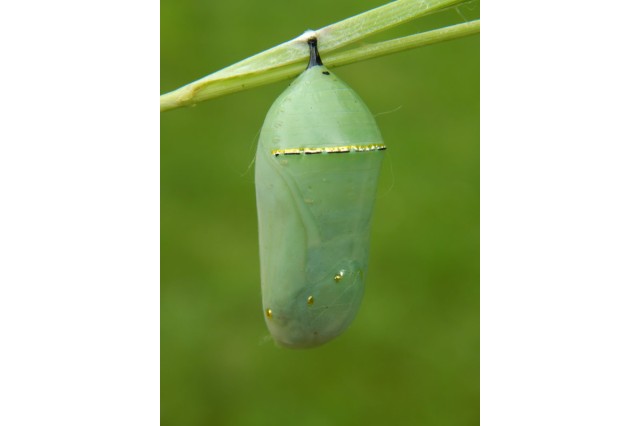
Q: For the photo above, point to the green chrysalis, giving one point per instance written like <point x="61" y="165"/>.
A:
<point x="317" y="166"/>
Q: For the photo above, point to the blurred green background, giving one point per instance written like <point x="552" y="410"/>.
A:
<point x="411" y="357"/>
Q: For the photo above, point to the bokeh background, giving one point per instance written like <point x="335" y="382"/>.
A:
<point x="411" y="357"/>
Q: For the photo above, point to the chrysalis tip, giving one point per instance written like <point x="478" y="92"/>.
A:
<point x="314" y="55"/>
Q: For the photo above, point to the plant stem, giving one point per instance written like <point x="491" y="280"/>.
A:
<point x="404" y="43"/>
<point x="287" y="60"/>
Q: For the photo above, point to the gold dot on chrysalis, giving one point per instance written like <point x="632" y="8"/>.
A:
<point x="269" y="313"/>
<point x="310" y="300"/>
<point x="338" y="276"/>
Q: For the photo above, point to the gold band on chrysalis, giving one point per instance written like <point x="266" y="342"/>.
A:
<point x="329" y="149"/>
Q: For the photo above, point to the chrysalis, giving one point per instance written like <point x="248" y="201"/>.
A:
<point x="317" y="166"/>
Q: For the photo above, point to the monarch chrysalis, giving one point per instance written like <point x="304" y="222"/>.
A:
<point x="317" y="166"/>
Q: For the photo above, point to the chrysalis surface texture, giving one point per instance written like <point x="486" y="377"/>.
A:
<point x="317" y="166"/>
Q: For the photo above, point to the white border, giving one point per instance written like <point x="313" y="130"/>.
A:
<point x="560" y="242"/>
<point x="79" y="213"/>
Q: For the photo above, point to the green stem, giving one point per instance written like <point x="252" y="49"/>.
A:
<point x="287" y="60"/>
<point x="404" y="43"/>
